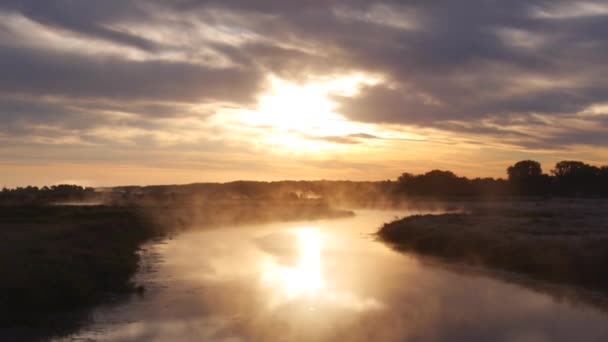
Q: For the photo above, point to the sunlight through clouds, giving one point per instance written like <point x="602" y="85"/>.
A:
<point x="298" y="116"/>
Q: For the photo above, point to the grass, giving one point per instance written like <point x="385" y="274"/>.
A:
<point x="62" y="258"/>
<point x="558" y="243"/>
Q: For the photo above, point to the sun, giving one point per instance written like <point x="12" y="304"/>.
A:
<point x="304" y="108"/>
<point x="299" y="116"/>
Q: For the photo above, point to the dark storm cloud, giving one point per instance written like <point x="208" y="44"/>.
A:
<point x="442" y="61"/>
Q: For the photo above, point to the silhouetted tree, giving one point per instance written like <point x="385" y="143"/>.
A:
<point x="603" y="180"/>
<point x="490" y="187"/>
<point x="524" y="170"/>
<point x="576" y="178"/>
<point x="405" y="178"/>
<point x="574" y="169"/>
<point x="434" y="183"/>
<point x="526" y="178"/>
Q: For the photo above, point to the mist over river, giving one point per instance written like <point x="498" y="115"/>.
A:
<point x="326" y="280"/>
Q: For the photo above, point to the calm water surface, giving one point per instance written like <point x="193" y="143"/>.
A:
<point x="325" y="280"/>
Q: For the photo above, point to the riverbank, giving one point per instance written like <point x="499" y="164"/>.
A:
<point x="57" y="259"/>
<point x="556" y="241"/>
<point x="62" y="258"/>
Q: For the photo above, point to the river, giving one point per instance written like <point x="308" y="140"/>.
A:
<point x="326" y="280"/>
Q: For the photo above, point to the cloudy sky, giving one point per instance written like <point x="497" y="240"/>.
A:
<point x="149" y="92"/>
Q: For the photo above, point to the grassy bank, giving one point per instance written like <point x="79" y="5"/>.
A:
<point x="556" y="242"/>
<point x="65" y="257"/>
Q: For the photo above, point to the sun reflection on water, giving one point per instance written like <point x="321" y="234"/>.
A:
<point x="294" y="274"/>
<point x="304" y="277"/>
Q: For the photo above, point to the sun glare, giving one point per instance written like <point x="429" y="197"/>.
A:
<point x="299" y="116"/>
<point x="309" y="273"/>
<point x="300" y="108"/>
<point x="304" y="278"/>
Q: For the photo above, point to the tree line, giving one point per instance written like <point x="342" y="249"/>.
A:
<point x="46" y="194"/>
<point x="525" y="178"/>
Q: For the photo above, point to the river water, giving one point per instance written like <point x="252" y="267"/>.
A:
<point x="326" y="280"/>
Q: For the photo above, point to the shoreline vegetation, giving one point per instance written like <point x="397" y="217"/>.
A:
<point x="58" y="259"/>
<point x="525" y="179"/>
<point x="558" y="241"/>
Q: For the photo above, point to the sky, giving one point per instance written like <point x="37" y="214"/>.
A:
<point x="119" y="92"/>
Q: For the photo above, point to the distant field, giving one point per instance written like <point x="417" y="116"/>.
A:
<point x="557" y="241"/>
